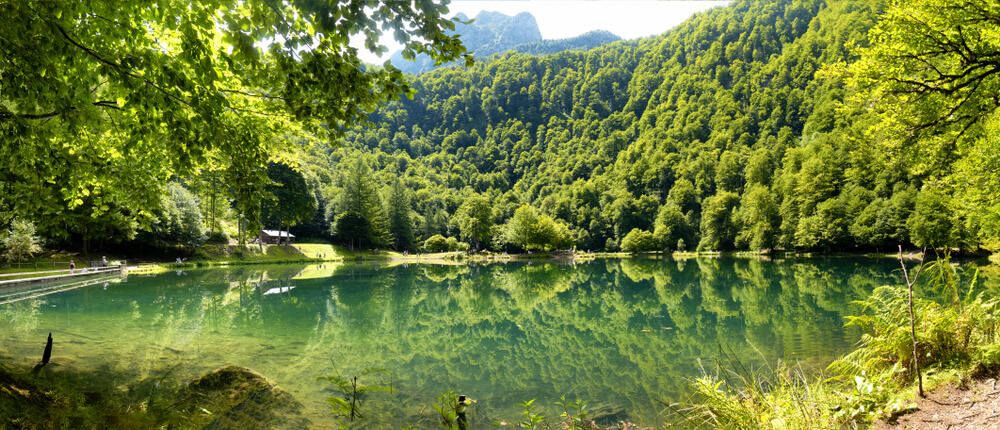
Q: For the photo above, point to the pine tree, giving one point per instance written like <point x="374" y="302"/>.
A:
<point x="400" y="219"/>
<point x="361" y="219"/>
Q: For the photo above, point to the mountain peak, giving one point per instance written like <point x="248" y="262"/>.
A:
<point x="495" y="33"/>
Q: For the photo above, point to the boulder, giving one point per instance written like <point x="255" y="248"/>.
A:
<point x="235" y="397"/>
<point x="608" y="415"/>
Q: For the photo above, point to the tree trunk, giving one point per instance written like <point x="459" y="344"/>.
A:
<point x="212" y="188"/>
<point x="913" y="331"/>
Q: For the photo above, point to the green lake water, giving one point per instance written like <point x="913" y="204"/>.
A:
<point x="625" y="335"/>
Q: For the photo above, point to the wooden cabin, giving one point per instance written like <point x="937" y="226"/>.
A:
<point x="271" y="237"/>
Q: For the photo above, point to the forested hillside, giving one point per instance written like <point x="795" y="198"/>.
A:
<point x="719" y="135"/>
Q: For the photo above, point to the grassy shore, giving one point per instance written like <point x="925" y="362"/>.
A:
<point x="957" y="343"/>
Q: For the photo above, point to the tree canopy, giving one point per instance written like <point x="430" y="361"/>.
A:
<point x="102" y="99"/>
<point x="931" y="73"/>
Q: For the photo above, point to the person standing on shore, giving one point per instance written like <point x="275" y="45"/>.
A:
<point x="72" y="266"/>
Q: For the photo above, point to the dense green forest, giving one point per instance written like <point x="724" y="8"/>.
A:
<point x="744" y="128"/>
<point x="723" y="134"/>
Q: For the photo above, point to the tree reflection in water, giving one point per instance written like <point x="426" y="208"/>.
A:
<point x="615" y="332"/>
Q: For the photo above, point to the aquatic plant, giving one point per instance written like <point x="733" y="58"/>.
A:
<point x="447" y="409"/>
<point x="349" y="406"/>
<point x="531" y="420"/>
<point x="574" y="416"/>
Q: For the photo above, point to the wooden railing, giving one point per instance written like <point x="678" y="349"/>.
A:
<point x="34" y="264"/>
<point x="7" y="279"/>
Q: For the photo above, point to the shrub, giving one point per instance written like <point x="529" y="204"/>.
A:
<point x="20" y="241"/>
<point x="454" y="245"/>
<point x="217" y="236"/>
<point x="638" y="241"/>
<point x="436" y="243"/>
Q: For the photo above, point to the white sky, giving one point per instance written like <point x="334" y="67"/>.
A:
<point x="559" y="19"/>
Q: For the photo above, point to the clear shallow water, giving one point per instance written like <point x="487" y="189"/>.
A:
<point x="620" y="333"/>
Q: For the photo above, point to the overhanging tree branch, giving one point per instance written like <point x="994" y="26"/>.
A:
<point x="125" y="71"/>
<point x="44" y="116"/>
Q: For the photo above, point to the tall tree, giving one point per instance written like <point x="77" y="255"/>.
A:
<point x="718" y="230"/>
<point x="528" y="230"/>
<point x="361" y="217"/>
<point x="475" y="221"/>
<point x="670" y="227"/>
<point x="758" y="218"/>
<point x="933" y="223"/>
<point x="177" y="221"/>
<point x="400" y="216"/>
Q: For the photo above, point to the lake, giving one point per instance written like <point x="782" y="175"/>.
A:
<point x="627" y="335"/>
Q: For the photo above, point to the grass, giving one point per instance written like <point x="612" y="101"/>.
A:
<point x="221" y="255"/>
<point x="49" y="264"/>
<point x="774" y="397"/>
<point x="48" y="261"/>
<point x="231" y="255"/>
<point x="322" y="251"/>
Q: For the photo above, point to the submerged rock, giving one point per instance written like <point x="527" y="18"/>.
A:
<point x="239" y="398"/>
<point x="607" y="415"/>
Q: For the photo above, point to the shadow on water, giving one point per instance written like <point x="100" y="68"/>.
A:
<point x="622" y="334"/>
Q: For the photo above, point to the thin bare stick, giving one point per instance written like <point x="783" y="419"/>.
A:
<point x="913" y="330"/>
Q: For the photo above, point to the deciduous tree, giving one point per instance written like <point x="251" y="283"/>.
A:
<point x="20" y="240"/>
<point x="931" y="72"/>
<point x="475" y="220"/>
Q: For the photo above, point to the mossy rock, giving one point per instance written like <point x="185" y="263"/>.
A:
<point x="238" y="398"/>
<point x="608" y="415"/>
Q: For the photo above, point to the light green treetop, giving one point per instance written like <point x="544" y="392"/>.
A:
<point x="931" y="74"/>
<point x="20" y="241"/>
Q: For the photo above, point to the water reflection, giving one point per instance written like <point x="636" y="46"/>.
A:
<point x="624" y="333"/>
